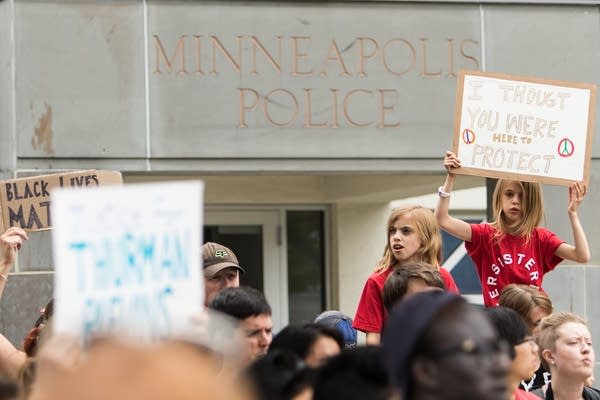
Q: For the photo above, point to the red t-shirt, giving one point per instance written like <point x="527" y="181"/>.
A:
<point x="523" y="395"/>
<point x="512" y="260"/>
<point x="371" y="312"/>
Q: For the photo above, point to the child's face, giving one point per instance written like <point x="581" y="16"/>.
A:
<point x="512" y="202"/>
<point x="403" y="239"/>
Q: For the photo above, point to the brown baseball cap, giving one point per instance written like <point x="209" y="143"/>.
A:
<point x="216" y="257"/>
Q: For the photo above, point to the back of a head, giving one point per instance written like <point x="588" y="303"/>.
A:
<point x="510" y="326"/>
<point x="241" y="302"/>
<point x="279" y="375"/>
<point x="523" y="298"/>
<point x="343" y="323"/>
<point x="8" y="388"/>
<point x="300" y="338"/>
<point x="355" y="374"/>
<point x="397" y="283"/>
<point x="118" y="371"/>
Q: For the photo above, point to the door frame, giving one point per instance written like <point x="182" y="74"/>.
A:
<point x="274" y="248"/>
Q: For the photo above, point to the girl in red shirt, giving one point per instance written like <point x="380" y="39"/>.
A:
<point x="413" y="235"/>
<point x="513" y="248"/>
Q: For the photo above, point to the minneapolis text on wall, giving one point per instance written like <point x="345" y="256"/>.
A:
<point x="328" y="71"/>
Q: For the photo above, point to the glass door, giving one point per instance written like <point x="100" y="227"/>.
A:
<point x="256" y="239"/>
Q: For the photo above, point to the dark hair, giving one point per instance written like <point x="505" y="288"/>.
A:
<point x="9" y="389"/>
<point x="31" y="339"/>
<point x="355" y="374"/>
<point x="279" y="375"/>
<point x="241" y="302"/>
<point x="396" y="284"/>
<point x="300" y="338"/>
<point x="510" y="326"/>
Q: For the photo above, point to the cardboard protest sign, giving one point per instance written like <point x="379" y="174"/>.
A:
<point x="525" y="129"/>
<point x="25" y="202"/>
<point x="127" y="259"/>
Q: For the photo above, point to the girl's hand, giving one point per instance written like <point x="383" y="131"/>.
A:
<point x="10" y="242"/>
<point x="451" y="161"/>
<point x="577" y="191"/>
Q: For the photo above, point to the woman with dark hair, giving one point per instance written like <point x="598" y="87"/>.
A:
<point x="313" y="343"/>
<point x="523" y="349"/>
<point x="281" y="375"/>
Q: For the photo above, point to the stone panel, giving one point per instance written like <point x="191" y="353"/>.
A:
<point x="565" y="286"/>
<point x="7" y="155"/>
<point x="36" y="253"/>
<point x="593" y="308"/>
<point x="555" y="202"/>
<point x="214" y="93"/>
<point x="547" y="41"/>
<point x="22" y="299"/>
<point x="80" y="80"/>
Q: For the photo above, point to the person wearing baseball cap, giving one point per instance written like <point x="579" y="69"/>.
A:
<point x="221" y="270"/>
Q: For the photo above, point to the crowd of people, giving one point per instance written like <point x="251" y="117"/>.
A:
<point x="422" y="339"/>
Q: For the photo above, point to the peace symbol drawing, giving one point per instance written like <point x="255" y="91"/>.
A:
<point x="468" y="136"/>
<point x="565" y="148"/>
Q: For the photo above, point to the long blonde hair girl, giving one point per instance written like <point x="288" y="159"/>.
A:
<point x="428" y="230"/>
<point x="532" y="207"/>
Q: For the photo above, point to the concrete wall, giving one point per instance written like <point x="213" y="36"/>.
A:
<point x="89" y="87"/>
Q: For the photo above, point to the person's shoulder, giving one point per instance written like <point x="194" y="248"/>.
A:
<point x="380" y="276"/>
<point x="544" y="233"/>
<point x="523" y="395"/>
<point x="482" y="229"/>
<point x="591" y="393"/>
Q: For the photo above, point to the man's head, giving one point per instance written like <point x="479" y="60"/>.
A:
<point x="357" y="373"/>
<point x="221" y="270"/>
<point x="343" y="323"/>
<point x="436" y="345"/>
<point x="252" y="309"/>
<point x="313" y="343"/>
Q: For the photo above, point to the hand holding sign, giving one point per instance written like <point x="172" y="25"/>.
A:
<point x="10" y="243"/>
<point x="451" y="162"/>
<point x="525" y="129"/>
<point x="577" y="191"/>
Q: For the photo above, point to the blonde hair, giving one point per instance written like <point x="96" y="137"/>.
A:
<point x="549" y="330"/>
<point x="532" y="207"/>
<point x="426" y="228"/>
<point x="523" y="299"/>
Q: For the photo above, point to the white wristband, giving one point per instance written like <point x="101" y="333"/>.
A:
<point x="443" y="194"/>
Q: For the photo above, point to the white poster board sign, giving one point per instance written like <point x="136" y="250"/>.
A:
<point x="525" y="129"/>
<point x="127" y="259"/>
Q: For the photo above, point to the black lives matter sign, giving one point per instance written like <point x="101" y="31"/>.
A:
<point x="25" y="202"/>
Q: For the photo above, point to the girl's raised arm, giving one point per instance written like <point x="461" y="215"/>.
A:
<point x="580" y="251"/>
<point x="453" y="226"/>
